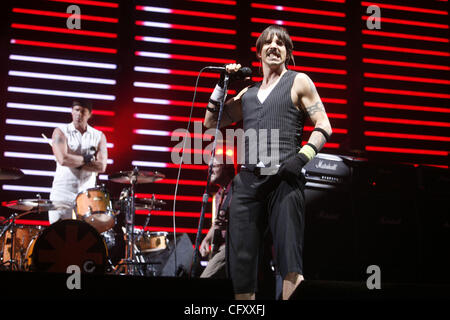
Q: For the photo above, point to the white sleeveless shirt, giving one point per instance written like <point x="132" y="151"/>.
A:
<point x="68" y="182"/>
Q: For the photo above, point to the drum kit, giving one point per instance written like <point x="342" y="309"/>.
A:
<point x="87" y="239"/>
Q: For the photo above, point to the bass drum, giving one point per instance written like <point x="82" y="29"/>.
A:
<point x="66" y="243"/>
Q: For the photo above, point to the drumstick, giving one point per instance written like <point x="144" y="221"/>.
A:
<point x="47" y="139"/>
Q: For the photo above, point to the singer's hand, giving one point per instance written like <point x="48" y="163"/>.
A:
<point x="232" y="68"/>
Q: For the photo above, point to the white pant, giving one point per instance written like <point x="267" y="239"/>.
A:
<point x="64" y="211"/>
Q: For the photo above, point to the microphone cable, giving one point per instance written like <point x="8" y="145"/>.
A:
<point x="179" y="170"/>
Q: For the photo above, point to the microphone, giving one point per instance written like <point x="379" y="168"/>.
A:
<point x="242" y="73"/>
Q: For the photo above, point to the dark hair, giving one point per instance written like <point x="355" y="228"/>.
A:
<point x="82" y="103"/>
<point x="281" y="34"/>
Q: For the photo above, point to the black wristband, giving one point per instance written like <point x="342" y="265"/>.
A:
<point x="87" y="158"/>
<point x="322" y="131"/>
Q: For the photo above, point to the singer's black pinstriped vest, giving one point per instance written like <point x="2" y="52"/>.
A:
<point x="277" y="112"/>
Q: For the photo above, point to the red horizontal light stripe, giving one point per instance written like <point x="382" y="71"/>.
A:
<point x="406" y="64"/>
<point x="407" y="150"/>
<point x="410" y="22"/>
<point x="195" y="28"/>
<point x="408" y="92"/>
<point x="336" y="1"/>
<point x="405" y="107"/>
<point x="310" y="69"/>
<point x="404" y="78"/>
<point x="225" y="2"/>
<point x="170" y="213"/>
<point x="404" y="8"/>
<point x="298" y="10"/>
<point x="298" y="24"/>
<point x="103" y="113"/>
<point x="170" y="229"/>
<point x="187" y="166"/>
<point x="403" y="36"/>
<point x="64" y="15"/>
<point x="335" y="130"/>
<point x="406" y="50"/>
<point x="334" y="100"/>
<point x="105" y="129"/>
<point x="195" y="13"/>
<point x="33" y="222"/>
<point x="64" y="30"/>
<point x="91" y="3"/>
<point x="171" y="197"/>
<point x="405" y="136"/>
<point x="63" y="46"/>
<point x="183" y="182"/>
<point x="408" y="121"/>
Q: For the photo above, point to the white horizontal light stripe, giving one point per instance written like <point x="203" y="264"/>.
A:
<point x="151" y="85"/>
<point x="154" y="54"/>
<point x="151" y="116"/>
<point x="151" y="70"/>
<point x="33" y="123"/>
<point x="103" y="176"/>
<point x="24" y="155"/>
<point x="36" y="156"/>
<point x="51" y="76"/>
<point x="26" y="188"/>
<point x="156" y="9"/>
<point x="79" y="63"/>
<point x="25" y="139"/>
<point x="152" y="132"/>
<point x="151" y="101"/>
<point x="155" y="39"/>
<point x="39" y="140"/>
<point x="156" y="24"/>
<point x="149" y="164"/>
<point x="150" y="148"/>
<point x="38" y="173"/>
<point x="62" y="93"/>
<point x="38" y="107"/>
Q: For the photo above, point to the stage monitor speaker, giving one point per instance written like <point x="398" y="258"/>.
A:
<point x="163" y="263"/>
<point x="329" y="233"/>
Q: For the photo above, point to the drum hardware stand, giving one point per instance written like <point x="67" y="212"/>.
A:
<point x="147" y="220"/>
<point x="130" y="253"/>
<point x="12" y="231"/>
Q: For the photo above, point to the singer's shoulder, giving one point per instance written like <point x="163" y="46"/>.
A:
<point x="242" y="92"/>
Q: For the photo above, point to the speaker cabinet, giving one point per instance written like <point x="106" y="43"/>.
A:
<point x="162" y="263"/>
<point x="329" y="233"/>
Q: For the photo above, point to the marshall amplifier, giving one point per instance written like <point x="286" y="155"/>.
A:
<point x="327" y="169"/>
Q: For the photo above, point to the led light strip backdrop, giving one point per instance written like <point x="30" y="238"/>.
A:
<point x="384" y="83"/>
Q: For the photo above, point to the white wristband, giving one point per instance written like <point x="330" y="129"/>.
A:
<point x="218" y="93"/>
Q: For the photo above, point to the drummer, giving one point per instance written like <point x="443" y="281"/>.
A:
<point x="80" y="152"/>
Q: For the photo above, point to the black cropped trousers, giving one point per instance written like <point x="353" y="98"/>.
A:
<point x="260" y="202"/>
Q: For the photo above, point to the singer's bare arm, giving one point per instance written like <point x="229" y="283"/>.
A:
<point x="232" y="112"/>
<point x="101" y="157"/>
<point x="60" y="150"/>
<point x="305" y="96"/>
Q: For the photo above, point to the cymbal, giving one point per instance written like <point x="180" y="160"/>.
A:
<point x="139" y="176"/>
<point x="30" y="204"/>
<point x="10" y="174"/>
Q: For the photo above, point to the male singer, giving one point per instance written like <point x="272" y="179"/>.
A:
<point x="282" y="101"/>
<point x="81" y="153"/>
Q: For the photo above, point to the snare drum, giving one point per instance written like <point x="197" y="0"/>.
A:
<point x="152" y="241"/>
<point x="94" y="207"/>
<point x="65" y="243"/>
<point x="23" y="235"/>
